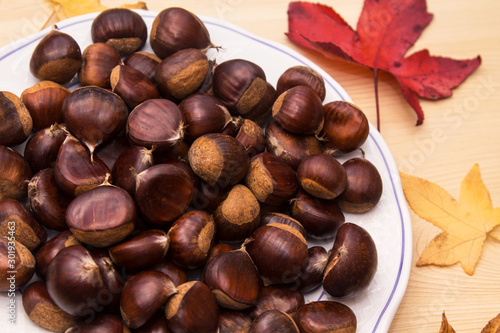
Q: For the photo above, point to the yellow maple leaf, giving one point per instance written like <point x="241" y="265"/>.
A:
<point x="493" y="325"/>
<point x="465" y="223"/>
<point x="70" y="8"/>
<point x="445" y="326"/>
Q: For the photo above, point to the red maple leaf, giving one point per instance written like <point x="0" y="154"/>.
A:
<point x="385" y="31"/>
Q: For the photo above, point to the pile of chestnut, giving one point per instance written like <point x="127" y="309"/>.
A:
<point x="179" y="193"/>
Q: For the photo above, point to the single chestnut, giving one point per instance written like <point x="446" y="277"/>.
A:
<point x="326" y="316"/>
<point x="156" y="122"/>
<point x="150" y="245"/>
<point x="234" y="279"/>
<point x="280" y="218"/>
<point x="163" y="193"/>
<point x="14" y="174"/>
<point x="274" y="321"/>
<point x="50" y="249"/>
<point x="352" y="262"/>
<point x="218" y="159"/>
<point x="176" y="273"/>
<point x="98" y="60"/>
<point x="132" y="86"/>
<point x="364" y="186"/>
<point x="231" y="321"/>
<point x="57" y="57"/>
<point x="131" y="162"/>
<point x="144" y="62"/>
<point x="175" y="29"/>
<point x="156" y="324"/>
<point x="312" y="276"/>
<point x="17" y="222"/>
<point x="44" y="102"/>
<point x="251" y="136"/>
<point x="17" y="264"/>
<point x="238" y="215"/>
<point x="103" y="322"/>
<point x="277" y="298"/>
<point x="16" y="122"/>
<point x="346" y="127"/>
<point x="42" y="310"/>
<point x="192" y="309"/>
<point x="42" y="147"/>
<point x="143" y="295"/>
<point x="271" y="180"/>
<point x="121" y="28"/>
<point x="191" y="237"/>
<point x="301" y="75"/>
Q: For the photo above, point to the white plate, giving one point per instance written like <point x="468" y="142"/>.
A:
<point x="388" y="223"/>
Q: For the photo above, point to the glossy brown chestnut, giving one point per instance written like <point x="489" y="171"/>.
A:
<point x="163" y="193"/>
<point x="346" y="127"/>
<point x="14" y="174"/>
<point x="176" y="29"/>
<point x="277" y="217"/>
<point x="150" y="245"/>
<point x="234" y="279"/>
<point x="192" y="309"/>
<point x="274" y="321"/>
<point x="364" y="186"/>
<point x="326" y="316"/>
<point x="322" y="176"/>
<point x="251" y="136"/>
<point x="203" y="114"/>
<point x="16" y="122"/>
<point x="17" y="222"/>
<point x="74" y="170"/>
<point x="156" y="324"/>
<point x="98" y="60"/>
<point x="219" y="248"/>
<point x="44" y="102"/>
<point x="240" y="84"/>
<point x="42" y="310"/>
<point x="279" y="252"/>
<point x="121" y="28"/>
<point x="352" y="262"/>
<point x="301" y="75"/>
<point x="110" y="151"/>
<point x="131" y="162"/>
<point x="132" y="86"/>
<point x="320" y="218"/>
<point x="277" y="298"/>
<point x="50" y="249"/>
<point x="231" y="321"/>
<point x="218" y="159"/>
<point x="102" y="216"/>
<point x="57" y="57"/>
<point x="312" y="276"/>
<point x="291" y="148"/>
<point x="176" y="273"/>
<point x="109" y="299"/>
<point x="238" y="215"/>
<point x="144" y="62"/>
<point x="271" y="180"/>
<point x="101" y="323"/>
<point x="143" y="295"/>
<point x="94" y="115"/>
<point x="14" y="257"/>
<point x="42" y="147"/>
<point x="191" y="237"/>
<point x="156" y="122"/>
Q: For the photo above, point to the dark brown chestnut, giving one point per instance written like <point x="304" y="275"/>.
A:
<point x="144" y="62"/>
<point x="192" y="309"/>
<point x="322" y="176"/>
<point x="16" y="122"/>
<point x="179" y="152"/>
<point x="219" y="248"/>
<point x="208" y="196"/>
<point x="291" y="148"/>
<point x="326" y="316"/>
<point x="112" y="279"/>
<point x="57" y="57"/>
<point x="271" y="180"/>
<point x="121" y="28"/>
<point x="352" y="262"/>
<point x="17" y="264"/>
<point x="346" y="127"/>
<point x="176" y="29"/>
<point x="156" y="324"/>
<point x="131" y="162"/>
<point x="42" y="147"/>
<point x="277" y="217"/>
<point x="132" y="86"/>
<point x="251" y="136"/>
<point x="238" y="215"/>
<point x="364" y="186"/>
<point x="218" y="159"/>
<point x="274" y="321"/>
<point x="98" y="60"/>
<point x="143" y="295"/>
<point x="94" y="115"/>
<point x="320" y="218"/>
<point x="234" y="279"/>
<point x="191" y="237"/>
<point x="312" y="276"/>
<point x="301" y="75"/>
<point x="17" y="222"/>
<point x="163" y="193"/>
<point x="50" y="249"/>
<point x="231" y="321"/>
<point x="103" y="322"/>
<point x="203" y="114"/>
<point x="277" y="298"/>
<point x="44" y="102"/>
<point x="176" y="273"/>
<point x="150" y="245"/>
<point x="299" y="110"/>
<point x="156" y="122"/>
<point x="14" y="174"/>
<point x="42" y="310"/>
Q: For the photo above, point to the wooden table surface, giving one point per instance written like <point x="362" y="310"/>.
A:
<point x="457" y="132"/>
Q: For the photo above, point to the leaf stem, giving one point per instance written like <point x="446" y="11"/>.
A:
<point x="375" y="82"/>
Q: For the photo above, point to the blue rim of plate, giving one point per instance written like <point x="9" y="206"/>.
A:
<point x="397" y="292"/>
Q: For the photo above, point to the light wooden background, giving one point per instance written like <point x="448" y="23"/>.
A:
<point x="467" y="128"/>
